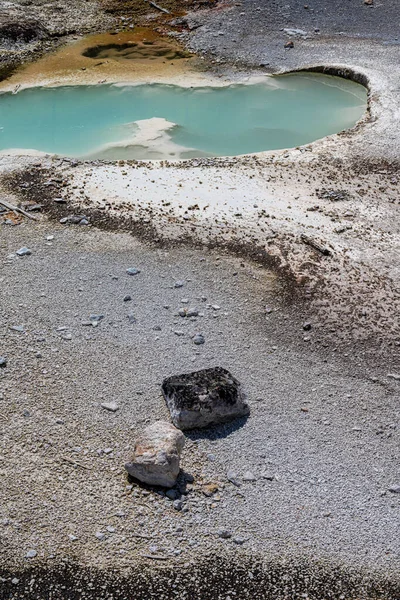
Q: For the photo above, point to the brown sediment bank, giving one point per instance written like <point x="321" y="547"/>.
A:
<point x="140" y="55"/>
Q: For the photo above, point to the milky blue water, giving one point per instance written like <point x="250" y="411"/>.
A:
<point x="168" y="121"/>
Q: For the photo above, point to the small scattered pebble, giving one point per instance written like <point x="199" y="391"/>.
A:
<point x="198" y="339"/>
<point x="395" y="489"/>
<point x="394" y="376"/>
<point x="133" y="271"/>
<point x="179" y="284"/>
<point x="232" y="477"/>
<point x="75" y="220"/>
<point x="172" y="494"/>
<point x="96" y="318"/>
<point x="224" y="534"/>
<point x="24" y="251"/>
<point x="3" y="362"/>
<point x="127" y="298"/>
<point x="31" y="554"/>
<point x="188" y="312"/>
<point x="249" y="476"/>
<point x="111" y="406"/>
<point x="239" y="540"/>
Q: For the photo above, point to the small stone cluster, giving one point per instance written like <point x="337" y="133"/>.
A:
<point x="195" y="400"/>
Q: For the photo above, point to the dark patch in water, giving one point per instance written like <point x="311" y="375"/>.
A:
<point x="148" y="50"/>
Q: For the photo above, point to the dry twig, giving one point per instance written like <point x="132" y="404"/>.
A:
<point x="74" y="462"/>
<point x="164" y="10"/>
<point x="16" y="209"/>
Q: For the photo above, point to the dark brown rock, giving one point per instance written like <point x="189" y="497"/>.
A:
<point x="204" y="398"/>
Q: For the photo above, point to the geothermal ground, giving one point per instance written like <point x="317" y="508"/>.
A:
<point x="291" y="259"/>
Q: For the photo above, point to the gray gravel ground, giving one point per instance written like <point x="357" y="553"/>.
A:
<point x="321" y="442"/>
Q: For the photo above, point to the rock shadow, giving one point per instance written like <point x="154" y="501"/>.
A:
<point x="216" y="432"/>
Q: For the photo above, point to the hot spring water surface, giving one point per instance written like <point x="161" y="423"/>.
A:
<point x="168" y="121"/>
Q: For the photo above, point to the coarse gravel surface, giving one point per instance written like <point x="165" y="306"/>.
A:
<point x="321" y="443"/>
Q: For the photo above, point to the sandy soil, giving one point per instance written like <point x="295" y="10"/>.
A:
<point x="68" y="65"/>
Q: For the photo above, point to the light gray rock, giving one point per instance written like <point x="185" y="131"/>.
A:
<point x="133" y="271"/>
<point x="3" y="362"/>
<point x="24" y="251"/>
<point x="31" y="554"/>
<point x="204" y="398"/>
<point x="291" y="31"/>
<point x="156" y="455"/>
<point x="178" y="504"/>
<point x="232" y="477"/>
<point x="248" y="476"/>
<point x="395" y="489"/>
<point x="111" y="406"/>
